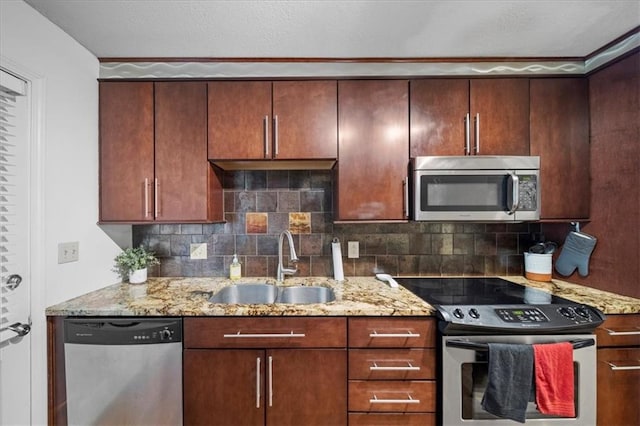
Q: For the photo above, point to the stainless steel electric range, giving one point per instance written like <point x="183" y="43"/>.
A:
<point x="475" y="311"/>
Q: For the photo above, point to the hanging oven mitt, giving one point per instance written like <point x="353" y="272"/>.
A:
<point x="575" y="254"/>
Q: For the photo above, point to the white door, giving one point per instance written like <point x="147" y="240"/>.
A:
<point x="15" y="340"/>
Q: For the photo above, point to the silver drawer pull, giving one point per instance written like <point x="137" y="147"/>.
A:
<point x="260" y="335"/>
<point x="410" y="400"/>
<point x="623" y="367"/>
<point x="401" y="335"/>
<point x="409" y="367"/>
<point x="622" y="333"/>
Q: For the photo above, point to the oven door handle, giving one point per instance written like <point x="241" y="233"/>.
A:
<point x="464" y="344"/>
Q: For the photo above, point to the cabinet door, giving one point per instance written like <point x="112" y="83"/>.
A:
<point x="308" y="387"/>
<point x="499" y="116"/>
<point x="239" y="120"/>
<point x="438" y="109"/>
<point x="373" y="149"/>
<point x="126" y="152"/>
<point x="182" y="167"/>
<point x="224" y="387"/>
<point x="560" y="136"/>
<point x="618" y="386"/>
<point x="305" y="114"/>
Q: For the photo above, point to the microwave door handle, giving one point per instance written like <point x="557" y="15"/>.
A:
<point x="515" y="193"/>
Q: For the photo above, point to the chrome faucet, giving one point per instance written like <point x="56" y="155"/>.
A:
<point x="282" y="271"/>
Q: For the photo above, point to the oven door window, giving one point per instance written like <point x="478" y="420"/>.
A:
<point x="474" y="382"/>
<point x="473" y="192"/>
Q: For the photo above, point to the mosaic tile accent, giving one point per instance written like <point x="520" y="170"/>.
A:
<point x="260" y="204"/>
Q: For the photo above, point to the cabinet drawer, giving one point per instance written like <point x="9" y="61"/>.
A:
<point x="276" y="332"/>
<point x="619" y="330"/>
<point x="392" y="364"/>
<point x="392" y="419"/>
<point x="392" y="396"/>
<point x="618" y="386"/>
<point x="392" y="332"/>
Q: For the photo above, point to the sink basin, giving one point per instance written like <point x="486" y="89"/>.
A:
<point x="246" y="294"/>
<point x="267" y="294"/>
<point x="306" y="294"/>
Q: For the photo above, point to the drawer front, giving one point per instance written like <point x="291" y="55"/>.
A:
<point x="392" y="396"/>
<point x="392" y="364"/>
<point x="619" y="330"/>
<point x="392" y="419"/>
<point x="265" y="332"/>
<point x="392" y="332"/>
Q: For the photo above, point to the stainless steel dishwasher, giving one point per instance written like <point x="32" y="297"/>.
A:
<point x="123" y="371"/>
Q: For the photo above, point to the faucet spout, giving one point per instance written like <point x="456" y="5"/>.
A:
<point x="282" y="271"/>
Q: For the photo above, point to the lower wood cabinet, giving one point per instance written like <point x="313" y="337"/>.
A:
<point x="618" y="360"/>
<point x="283" y="371"/>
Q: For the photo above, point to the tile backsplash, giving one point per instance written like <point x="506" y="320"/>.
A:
<point x="258" y="205"/>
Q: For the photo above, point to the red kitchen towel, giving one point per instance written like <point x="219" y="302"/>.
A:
<point x="553" y="370"/>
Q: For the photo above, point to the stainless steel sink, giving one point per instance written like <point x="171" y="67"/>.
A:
<point x="268" y="294"/>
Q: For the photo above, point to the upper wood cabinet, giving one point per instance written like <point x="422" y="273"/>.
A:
<point x="153" y="154"/>
<point x="469" y="117"/>
<point x="283" y="120"/>
<point x="373" y="149"/>
<point x="560" y="136"/>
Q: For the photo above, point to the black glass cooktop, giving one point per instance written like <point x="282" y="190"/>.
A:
<point x="476" y="291"/>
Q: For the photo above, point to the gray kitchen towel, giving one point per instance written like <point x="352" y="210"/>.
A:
<point x="510" y="377"/>
<point x="575" y="253"/>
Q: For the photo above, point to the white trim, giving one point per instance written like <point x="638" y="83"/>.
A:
<point x="35" y="90"/>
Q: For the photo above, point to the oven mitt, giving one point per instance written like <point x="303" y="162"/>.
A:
<point x="575" y="254"/>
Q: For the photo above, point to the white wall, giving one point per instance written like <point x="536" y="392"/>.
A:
<point x="67" y="85"/>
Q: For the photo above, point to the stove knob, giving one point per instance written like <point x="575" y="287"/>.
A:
<point x="567" y="312"/>
<point x="457" y="312"/>
<point x="473" y="313"/>
<point x="165" y="334"/>
<point x="582" y="311"/>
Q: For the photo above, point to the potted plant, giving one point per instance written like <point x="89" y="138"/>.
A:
<point x="133" y="263"/>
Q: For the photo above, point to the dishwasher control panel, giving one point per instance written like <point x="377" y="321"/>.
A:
<point x="122" y="331"/>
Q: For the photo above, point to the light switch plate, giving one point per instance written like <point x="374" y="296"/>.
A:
<point x="198" y="251"/>
<point x="353" y="248"/>
<point x="68" y="252"/>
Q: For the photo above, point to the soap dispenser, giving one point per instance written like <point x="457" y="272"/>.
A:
<point x="235" y="270"/>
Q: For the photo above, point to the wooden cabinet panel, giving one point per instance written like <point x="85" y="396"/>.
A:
<point x="373" y="149"/>
<point x="500" y="115"/>
<point x="392" y="332"/>
<point x="392" y="419"/>
<point x="438" y="108"/>
<point x="126" y="152"/>
<point x="222" y="386"/>
<point x="389" y="396"/>
<point x="618" y="386"/>
<point x="309" y="387"/>
<point x="305" y="117"/>
<point x="239" y="120"/>
<point x="619" y="330"/>
<point x="560" y="136"/>
<point x="271" y="332"/>
<point x="392" y="364"/>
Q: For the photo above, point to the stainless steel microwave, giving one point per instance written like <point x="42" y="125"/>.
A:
<point x="476" y="188"/>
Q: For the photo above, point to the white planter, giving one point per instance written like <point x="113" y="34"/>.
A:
<point x="138" y="276"/>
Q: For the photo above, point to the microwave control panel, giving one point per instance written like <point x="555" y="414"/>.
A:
<point x="527" y="188"/>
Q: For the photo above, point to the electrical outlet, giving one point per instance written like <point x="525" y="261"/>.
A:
<point x="353" y="248"/>
<point x="198" y="251"/>
<point x="68" y="252"/>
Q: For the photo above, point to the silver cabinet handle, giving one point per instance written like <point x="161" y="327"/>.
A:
<point x="275" y="136"/>
<point x="409" y="367"/>
<point x="239" y="335"/>
<point x="258" y="382"/>
<point x="146" y="197"/>
<point x="270" y="373"/>
<point x="13" y="281"/>
<point x="622" y="333"/>
<point x="409" y="400"/>
<point x="477" y="126"/>
<point x="400" y="335"/>
<point x="266" y="137"/>
<point x="615" y="367"/>
<point x="467" y="142"/>
<point x="405" y="183"/>
<point x="156" y="206"/>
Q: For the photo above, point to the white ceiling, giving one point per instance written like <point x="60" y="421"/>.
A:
<point x="342" y="29"/>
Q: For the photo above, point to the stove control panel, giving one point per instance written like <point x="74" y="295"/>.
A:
<point x="522" y="315"/>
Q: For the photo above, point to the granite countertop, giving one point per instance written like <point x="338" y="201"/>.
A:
<point x="356" y="296"/>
